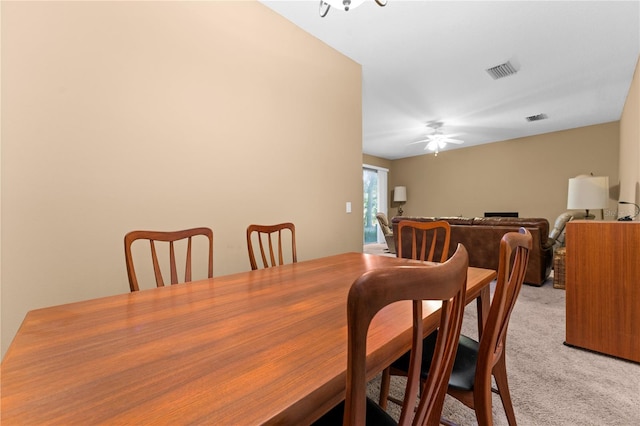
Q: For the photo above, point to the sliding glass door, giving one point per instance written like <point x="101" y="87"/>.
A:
<point x="374" y="181"/>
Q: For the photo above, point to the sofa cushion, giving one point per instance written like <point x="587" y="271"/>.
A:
<point x="458" y="220"/>
<point x="536" y="222"/>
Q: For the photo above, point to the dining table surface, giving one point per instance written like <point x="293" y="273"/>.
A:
<point x="260" y="347"/>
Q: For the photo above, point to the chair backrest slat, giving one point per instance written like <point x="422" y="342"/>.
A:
<point x="156" y="267"/>
<point x="172" y="262"/>
<point x="280" y="256"/>
<point x="271" y="254"/>
<point x="187" y="267"/>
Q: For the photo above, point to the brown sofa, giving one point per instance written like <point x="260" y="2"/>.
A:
<point x="481" y="237"/>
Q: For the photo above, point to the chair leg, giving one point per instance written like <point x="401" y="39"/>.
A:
<point x="482" y="401"/>
<point x="500" y="374"/>
<point x="447" y="422"/>
<point x="385" y="382"/>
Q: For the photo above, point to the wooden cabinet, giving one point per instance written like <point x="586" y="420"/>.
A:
<point x="603" y="287"/>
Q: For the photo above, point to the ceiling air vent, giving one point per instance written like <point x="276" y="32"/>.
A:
<point x="501" y="71"/>
<point x="537" y="117"/>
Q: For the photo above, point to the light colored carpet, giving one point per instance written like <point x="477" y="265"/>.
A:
<point x="550" y="383"/>
<point x="380" y="249"/>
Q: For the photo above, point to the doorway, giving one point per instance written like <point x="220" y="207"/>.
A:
<point x="374" y="180"/>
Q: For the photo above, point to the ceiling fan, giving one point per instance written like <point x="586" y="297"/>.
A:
<point x="437" y="141"/>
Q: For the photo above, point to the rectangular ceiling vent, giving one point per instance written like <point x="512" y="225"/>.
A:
<point x="502" y="70"/>
<point x="537" y="117"/>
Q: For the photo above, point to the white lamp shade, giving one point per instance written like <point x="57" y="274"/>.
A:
<point x="400" y="194"/>
<point x="588" y="192"/>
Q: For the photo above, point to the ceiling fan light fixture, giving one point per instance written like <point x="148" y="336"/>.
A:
<point x="436" y="140"/>
<point x="345" y="5"/>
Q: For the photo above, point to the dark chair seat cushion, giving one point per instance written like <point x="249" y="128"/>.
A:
<point x="376" y="416"/>
<point x="464" y="367"/>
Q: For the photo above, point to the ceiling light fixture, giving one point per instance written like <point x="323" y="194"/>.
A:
<point x="345" y="5"/>
<point x="437" y="141"/>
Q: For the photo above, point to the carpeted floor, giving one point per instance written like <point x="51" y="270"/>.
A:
<point x="551" y="384"/>
<point x="377" y="249"/>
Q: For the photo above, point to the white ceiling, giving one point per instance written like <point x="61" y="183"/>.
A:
<point x="425" y="61"/>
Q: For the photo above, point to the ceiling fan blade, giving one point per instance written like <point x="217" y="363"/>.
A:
<point x="444" y="138"/>
<point x="420" y="141"/>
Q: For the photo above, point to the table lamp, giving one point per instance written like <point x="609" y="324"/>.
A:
<point x="588" y="193"/>
<point x="400" y="196"/>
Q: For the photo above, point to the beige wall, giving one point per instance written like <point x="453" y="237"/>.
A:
<point x="630" y="147"/>
<point x="165" y="115"/>
<point x="376" y="161"/>
<point x="528" y="175"/>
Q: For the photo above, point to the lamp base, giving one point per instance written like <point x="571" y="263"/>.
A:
<point x="400" y="212"/>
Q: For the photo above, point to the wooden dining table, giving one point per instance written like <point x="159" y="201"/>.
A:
<point x="260" y="347"/>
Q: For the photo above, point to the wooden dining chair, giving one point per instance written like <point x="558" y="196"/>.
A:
<point x="369" y="294"/>
<point x="476" y="362"/>
<point x="265" y="236"/>
<point x="429" y="240"/>
<point x="171" y="237"/>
